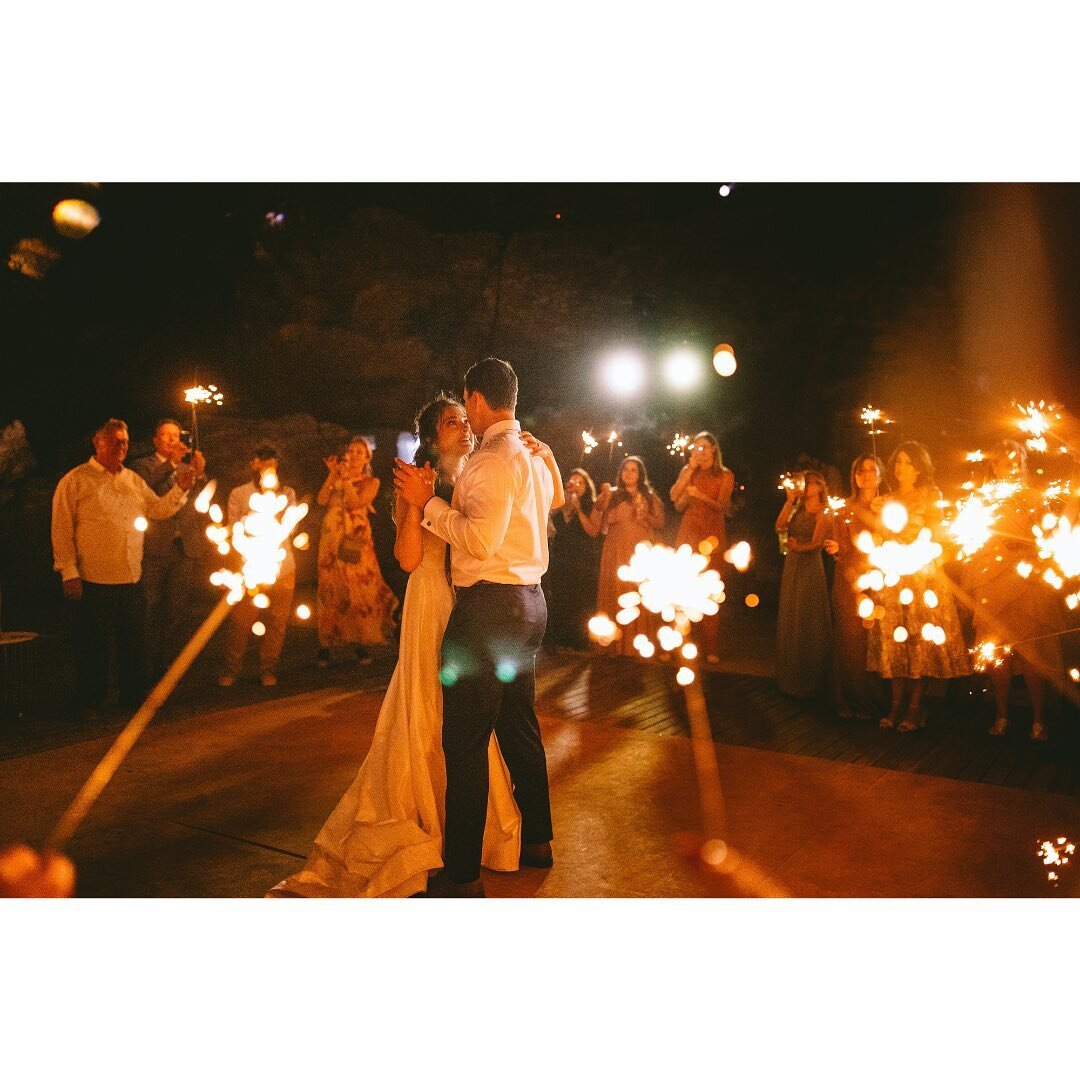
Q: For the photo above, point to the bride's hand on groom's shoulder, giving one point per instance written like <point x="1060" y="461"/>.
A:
<point x="534" y="445"/>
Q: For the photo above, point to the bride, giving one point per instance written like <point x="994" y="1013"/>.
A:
<point x="385" y="836"/>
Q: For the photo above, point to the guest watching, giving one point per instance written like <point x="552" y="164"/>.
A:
<point x="574" y="565"/>
<point x="854" y="690"/>
<point x="703" y="490"/>
<point x="99" y="510"/>
<point x="803" y="629"/>
<point x="898" y="648"/>
<point x="627" y="515"/>
<point x="173" y="551"/>
<point x="242" y="620"/>
<point x="356" y="607"/>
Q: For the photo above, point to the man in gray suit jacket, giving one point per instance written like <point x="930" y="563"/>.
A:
<point x="173" y="550"/>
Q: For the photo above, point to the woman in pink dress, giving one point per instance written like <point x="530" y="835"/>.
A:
<point x="627" y="515"/>
<point x="703" y="490"/>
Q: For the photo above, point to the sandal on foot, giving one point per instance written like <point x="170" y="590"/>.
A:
<point x="912" y="722"/>
<point x="887" y="722"/>
<point x="1038" y="732"/>
<point x="1001" y="725"/>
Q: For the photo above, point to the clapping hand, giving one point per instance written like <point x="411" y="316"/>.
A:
<point x="831" y="547"/>
<point x="333" y="465"/>
<point x="415" y="485"/>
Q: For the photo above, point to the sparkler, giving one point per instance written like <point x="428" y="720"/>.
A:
<point x="1055" y="854"/>
<point x="875" y="421"/>
<point x="611" y="441"/>
<point x="196" y="396"/>
<point x="678" y="445"/>
<point x="1059" y="540"/>
<point x="986" y="655"/>
<point x="1036" y="421"/>
<point x="259" y="538"/>
<point x="679" y="586"/>
<point x="589" y="444"/>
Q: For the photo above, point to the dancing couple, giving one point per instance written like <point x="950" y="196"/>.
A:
<point x="456" y="776"/>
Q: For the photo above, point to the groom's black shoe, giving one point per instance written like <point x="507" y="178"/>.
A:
<point x="538" y="855"/>
<point x="441" y="886"/>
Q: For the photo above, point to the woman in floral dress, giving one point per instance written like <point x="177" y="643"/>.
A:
<point x="355" y="605"/>
<point x="901" y="644"/>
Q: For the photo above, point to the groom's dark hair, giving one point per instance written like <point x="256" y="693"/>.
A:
<point x="495" y="379"/>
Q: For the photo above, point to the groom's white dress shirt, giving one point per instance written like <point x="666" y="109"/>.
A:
<point x="496" y="524"/>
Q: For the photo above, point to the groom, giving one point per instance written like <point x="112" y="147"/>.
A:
<point x="496" y="528"/>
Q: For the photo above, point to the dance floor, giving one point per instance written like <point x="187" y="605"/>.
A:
<point x="224" y="802"/>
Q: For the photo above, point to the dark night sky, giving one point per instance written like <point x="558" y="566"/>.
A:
<point x="822" y="272"/>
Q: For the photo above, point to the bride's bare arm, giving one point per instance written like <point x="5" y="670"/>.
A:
<point x="409" y="543"/>
<point x="542" y="450"/>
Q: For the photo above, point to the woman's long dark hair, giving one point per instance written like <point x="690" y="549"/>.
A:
<point x="621" y="494"/>
<point x="919" y="456"/>
<point x="589" y="497"/>
<point x="426" y="429"/>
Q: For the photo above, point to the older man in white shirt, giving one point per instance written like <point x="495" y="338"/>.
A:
<point x="496" y="527"/>
<point x="99" y="513"/>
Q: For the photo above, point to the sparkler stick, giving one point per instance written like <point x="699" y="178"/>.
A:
<point x="680" y="587"/>
<point x="710" y="791"/>
<point x="106" y="768"/>
<point x="611" y="448"/>
<point x="259" y="539"/>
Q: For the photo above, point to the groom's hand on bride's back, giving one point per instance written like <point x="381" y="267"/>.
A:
<point x="413" y="484"/>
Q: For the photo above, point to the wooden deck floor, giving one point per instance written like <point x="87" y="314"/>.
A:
<point x="749" y="710"/>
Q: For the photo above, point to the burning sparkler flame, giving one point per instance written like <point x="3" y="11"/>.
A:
<point x="205" y="497"/>
<point x="1036" y="421"/>
<point x="200" y="395"/>
<point x="678" y="445"/>
<point x="987" y="655"/>
<point x="1055" y="853"/>
<point x="677" y="585"/>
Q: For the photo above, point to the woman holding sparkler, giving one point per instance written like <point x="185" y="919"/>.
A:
<point x="386" y="834"/>
<point x="627" y="515"/>
<point x="854" y="690"/>
<point x="703" y="490"/>
<point x="1017" y="618"/>
<point x="803" y="627"/>
<point x="918" y="635"/>
<point x="356" y="607"/>
<point x="574" y="566"/>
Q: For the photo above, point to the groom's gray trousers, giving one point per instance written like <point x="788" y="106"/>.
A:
<point x="488" y="672"/>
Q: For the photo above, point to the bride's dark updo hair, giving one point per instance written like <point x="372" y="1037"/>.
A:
<point x="426" y="429"/>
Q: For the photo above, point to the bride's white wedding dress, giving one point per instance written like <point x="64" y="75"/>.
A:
<point x="386" y="834"/>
